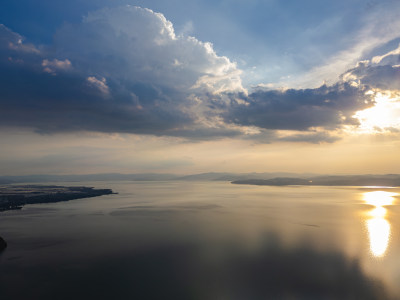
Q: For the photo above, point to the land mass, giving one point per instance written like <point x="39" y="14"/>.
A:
<point x="389" y="180"/>
<point x="271" y="178"/>
<point x="211" y="176"/>
<point x="16" y="196"/>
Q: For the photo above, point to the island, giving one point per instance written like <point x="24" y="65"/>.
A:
<point x="16" y="196"/>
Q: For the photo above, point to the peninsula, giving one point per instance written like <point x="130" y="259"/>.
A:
<point x="16" y="196"/>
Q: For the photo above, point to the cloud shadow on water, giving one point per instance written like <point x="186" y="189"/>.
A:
<point x="189" y="271"/>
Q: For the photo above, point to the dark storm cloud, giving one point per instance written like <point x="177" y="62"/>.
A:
<point x="327" y="106"/>
<point x="69" y="102"/>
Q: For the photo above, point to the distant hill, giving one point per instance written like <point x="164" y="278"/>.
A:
<point x="236" y="178"/>
<point x="213" y="176"/>
<point x="88" y="177"/>
<point x="391" y="180"/>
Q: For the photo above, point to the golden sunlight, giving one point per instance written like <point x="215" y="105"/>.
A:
<point x="379" y="236"/>
<point x="383" y="116"/>
<point x="377" y="225"/>
<point x="379" y="198"/>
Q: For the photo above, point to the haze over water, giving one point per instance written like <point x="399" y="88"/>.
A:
<point x="205" y="240"/>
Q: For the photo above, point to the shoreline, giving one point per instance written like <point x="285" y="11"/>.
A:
<point x="14" y="197"/>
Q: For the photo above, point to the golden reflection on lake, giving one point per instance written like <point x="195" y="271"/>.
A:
<point x="377" y="224"/>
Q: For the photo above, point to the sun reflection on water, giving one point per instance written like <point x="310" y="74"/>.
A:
<point x="378" y="226"/>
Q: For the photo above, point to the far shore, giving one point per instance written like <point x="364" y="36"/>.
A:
<point x="361" y="180"/>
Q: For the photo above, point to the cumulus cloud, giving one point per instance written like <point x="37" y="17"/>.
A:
<point x="125" y="70"/>
<point x="136" y="44"/>
<point x="120" y="70"/>
<point x="52" y="66"/>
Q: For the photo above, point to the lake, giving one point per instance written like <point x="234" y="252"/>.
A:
<point x="205" y="240"/>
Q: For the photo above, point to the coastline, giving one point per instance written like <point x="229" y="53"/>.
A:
<point x="14" y="197"/>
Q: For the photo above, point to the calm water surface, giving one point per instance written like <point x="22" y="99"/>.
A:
<point x="205" y="240"/>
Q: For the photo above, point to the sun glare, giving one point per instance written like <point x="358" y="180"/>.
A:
<point x="379" y="236"/>
<point x="379" y="198"/>
<point x="383" y="116"/>
<point x="377" y="225"/>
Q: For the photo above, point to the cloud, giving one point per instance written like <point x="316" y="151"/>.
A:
<point x="381" y="71"/>
<point x="120" y="70"/>
<point x="321" y="111"/>
<point x="13" y="42"/>
<point x="51" y="66"/>
<point x="394" y="53"/>
<point x="328" y="107"/>
<point x="139" y="44"/>
<point x="124" y="70"/>
<point x="101" y="84"/>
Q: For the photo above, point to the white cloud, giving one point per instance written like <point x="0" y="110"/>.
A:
<point x="187" y="28"/>
<point x="378" y="59"/>
<point x="52" y="66"/>
<point x="138" y="45"/>
<point x="101" y="84"/>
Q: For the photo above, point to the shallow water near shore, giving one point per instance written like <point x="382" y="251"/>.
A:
<point x="205" y="240"/>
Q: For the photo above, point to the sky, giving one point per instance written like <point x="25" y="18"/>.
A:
<point x="199" y="86"/>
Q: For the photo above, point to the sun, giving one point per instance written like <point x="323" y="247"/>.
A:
<point x="383" y="116"/>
